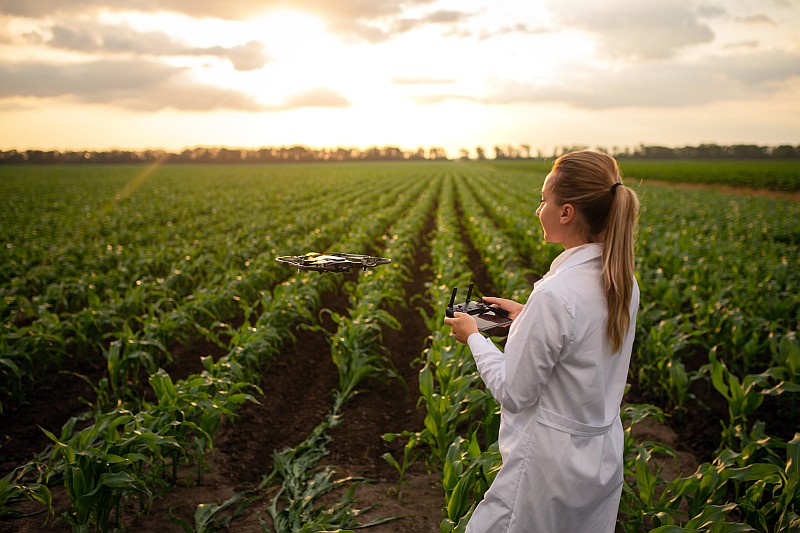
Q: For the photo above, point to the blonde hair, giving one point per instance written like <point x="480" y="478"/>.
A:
<point x="592" y="183"/>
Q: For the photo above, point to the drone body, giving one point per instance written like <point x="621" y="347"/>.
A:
<point x="332" y="262"/>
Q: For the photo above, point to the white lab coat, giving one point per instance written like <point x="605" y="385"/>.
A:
<point x="560" y="389"/>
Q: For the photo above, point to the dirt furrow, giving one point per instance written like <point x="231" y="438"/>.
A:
<point x="389" y="407"/>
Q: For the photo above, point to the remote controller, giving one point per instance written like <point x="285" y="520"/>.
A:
<point x="487" y="317"/>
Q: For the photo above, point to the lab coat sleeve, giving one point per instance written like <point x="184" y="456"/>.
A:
<point x="516" y="379"/>
<point x="491" y="363"/>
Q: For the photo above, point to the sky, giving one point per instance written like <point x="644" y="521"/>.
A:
<point x="457" y="74"/>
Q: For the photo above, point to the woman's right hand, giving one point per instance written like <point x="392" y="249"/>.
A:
<point x="513" y="308"/>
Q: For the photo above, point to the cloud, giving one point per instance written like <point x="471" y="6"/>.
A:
<point x="709" y="11"/>
<point x="248" y="56"/>
<point x="137" y="84"/>
<point x="141" y="85"/>
<point x="638" y="30"/>
<point x="519" y="27"/>
<point x="403" y="25"/>
<point x="380" y="28"/>
<point x="760" y="69"/>
<point x="15" y="106"/>
<point x="370" y="20"/>
<point x="432" y="99"/>
<point x="740" y="77"/>
<point x="95" y="38"/>
<point x="722" y="78"/>
<point x="422" y="81"/>
<point x="742" y="44"/>
<point x="229" y="10"/>
<point x="490" y="33"/>
<point x="318" y="97"/>
<point x="758" y="20"/>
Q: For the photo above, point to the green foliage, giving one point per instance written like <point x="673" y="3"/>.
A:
<point x="105" y="461"/>
<point x="775" y="175"/>
<point x="12" y="490"/>
<point x="112" y="267"/>
<point x="466" y="475"/>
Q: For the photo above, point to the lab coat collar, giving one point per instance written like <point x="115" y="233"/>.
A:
<point x="575" y="256"/>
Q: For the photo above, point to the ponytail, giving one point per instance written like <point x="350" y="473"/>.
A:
<point x="592" y="182"/>
<point x="618" y="263"/>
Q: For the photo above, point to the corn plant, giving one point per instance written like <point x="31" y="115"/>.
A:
<point x="640" y="481"/>
<point x="411" y="453"/>
<point x="764" y="494"/>
<point x="106" y="461"/>
<point x="212" y="517"/>
<point x="714" y="518"/>
<point x="785" y="370"/>
<point x="662" y="369"/>
<point x="303" y="483"/>
<point x="468" y="472"/>
<point x="743" y="396"/>
<point x="11" y="490"/>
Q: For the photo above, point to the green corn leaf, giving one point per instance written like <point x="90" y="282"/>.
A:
<point x="645" y="480"/>
<point x="115" y="480"/>
<point x="793" y="458"/>
<point x="389" y="458"/>
<point x="765" y="472"/>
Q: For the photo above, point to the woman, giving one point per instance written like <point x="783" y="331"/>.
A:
<point x="561" y="379"/>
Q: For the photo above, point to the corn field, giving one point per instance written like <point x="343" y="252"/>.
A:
<point x="160" y="370"/>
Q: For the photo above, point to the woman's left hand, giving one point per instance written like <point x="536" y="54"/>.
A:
<point x="463" y="326"/>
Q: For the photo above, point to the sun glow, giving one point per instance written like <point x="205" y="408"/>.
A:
<point x="286" y="32"/>
<point x="88" y="75"/>
<point x="302" y="54"/>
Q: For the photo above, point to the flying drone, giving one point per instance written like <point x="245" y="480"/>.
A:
<point x="332" y="262"/>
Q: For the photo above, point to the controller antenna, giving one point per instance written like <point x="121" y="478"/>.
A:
<point x="453" y="297"/>
<point x="469" y="293"/>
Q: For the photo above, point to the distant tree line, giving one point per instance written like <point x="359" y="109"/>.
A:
<point x="224" y="155"/>
<point x="387" y="153"/>
<point x="702" y="151"/>
<point x="715" y="151"/>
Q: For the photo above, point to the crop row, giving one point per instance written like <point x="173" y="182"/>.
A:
<point x="127" y="452"/>
<point x="358" y="354"/>
<point x="448" y="384"/>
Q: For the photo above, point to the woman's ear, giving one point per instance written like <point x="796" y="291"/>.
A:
<point x="567" y="214"/>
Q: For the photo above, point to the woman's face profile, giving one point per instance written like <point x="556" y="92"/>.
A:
<point x="549" y="212"/>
